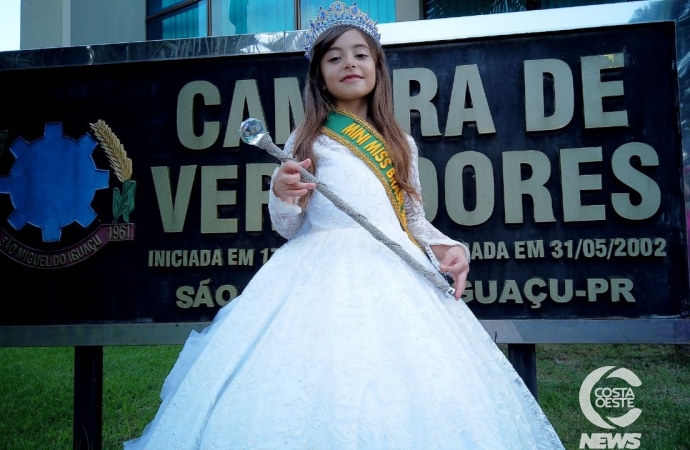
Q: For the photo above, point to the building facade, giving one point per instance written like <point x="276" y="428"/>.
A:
<point x="62" y="23"/>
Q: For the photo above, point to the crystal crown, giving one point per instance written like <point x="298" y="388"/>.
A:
<point x="339" y="14"/>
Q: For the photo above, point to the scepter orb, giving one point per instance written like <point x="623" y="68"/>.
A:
<point x="252" y="130"/>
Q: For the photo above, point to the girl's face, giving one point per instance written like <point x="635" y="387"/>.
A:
<point x="349" y="71"/>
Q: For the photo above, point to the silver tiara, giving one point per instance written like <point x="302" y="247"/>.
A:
<point x="339" y="14"/>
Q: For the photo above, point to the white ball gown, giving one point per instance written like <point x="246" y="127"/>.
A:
<point x="337" y="344"/>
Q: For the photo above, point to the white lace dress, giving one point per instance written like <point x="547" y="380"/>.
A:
<point x="337" y="344"/>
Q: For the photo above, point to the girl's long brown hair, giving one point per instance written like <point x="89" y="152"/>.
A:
<point x="317" y="103"/>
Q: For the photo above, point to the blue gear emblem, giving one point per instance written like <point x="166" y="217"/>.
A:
<point x="52" y="182"/>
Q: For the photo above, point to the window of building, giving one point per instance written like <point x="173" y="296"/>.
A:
<point x="172" y="19"/>
<point x="437" y="9"/>
<point x="382" y="11"/>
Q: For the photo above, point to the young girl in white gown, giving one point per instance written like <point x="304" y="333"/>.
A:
<point x="337" y="343"/>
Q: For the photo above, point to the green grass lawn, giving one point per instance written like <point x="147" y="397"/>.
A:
<point x="36" y="392"/>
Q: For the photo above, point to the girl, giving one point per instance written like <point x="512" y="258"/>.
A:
<point x="336" y="342"/>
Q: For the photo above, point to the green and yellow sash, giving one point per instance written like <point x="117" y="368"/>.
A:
<point x="368" y="145"/>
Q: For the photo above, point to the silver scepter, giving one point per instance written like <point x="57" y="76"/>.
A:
<point x="253" y="133"/>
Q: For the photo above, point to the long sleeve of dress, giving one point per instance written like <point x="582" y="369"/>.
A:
<point x="422" y="230"/>
<point x="287" y="218"/>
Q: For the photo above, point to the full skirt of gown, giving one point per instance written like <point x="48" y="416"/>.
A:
<point x="336" y="343"/>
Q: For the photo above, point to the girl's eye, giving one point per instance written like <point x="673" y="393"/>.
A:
<point x="334" y="59"/>
<point x="362" y="55"/>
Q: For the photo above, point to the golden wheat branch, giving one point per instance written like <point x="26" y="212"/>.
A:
<point x="121" y="164"/>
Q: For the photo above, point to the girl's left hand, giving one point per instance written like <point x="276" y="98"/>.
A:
<point x="455" y="263"/>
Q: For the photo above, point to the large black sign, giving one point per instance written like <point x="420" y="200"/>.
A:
<point x="126" y="196"/>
